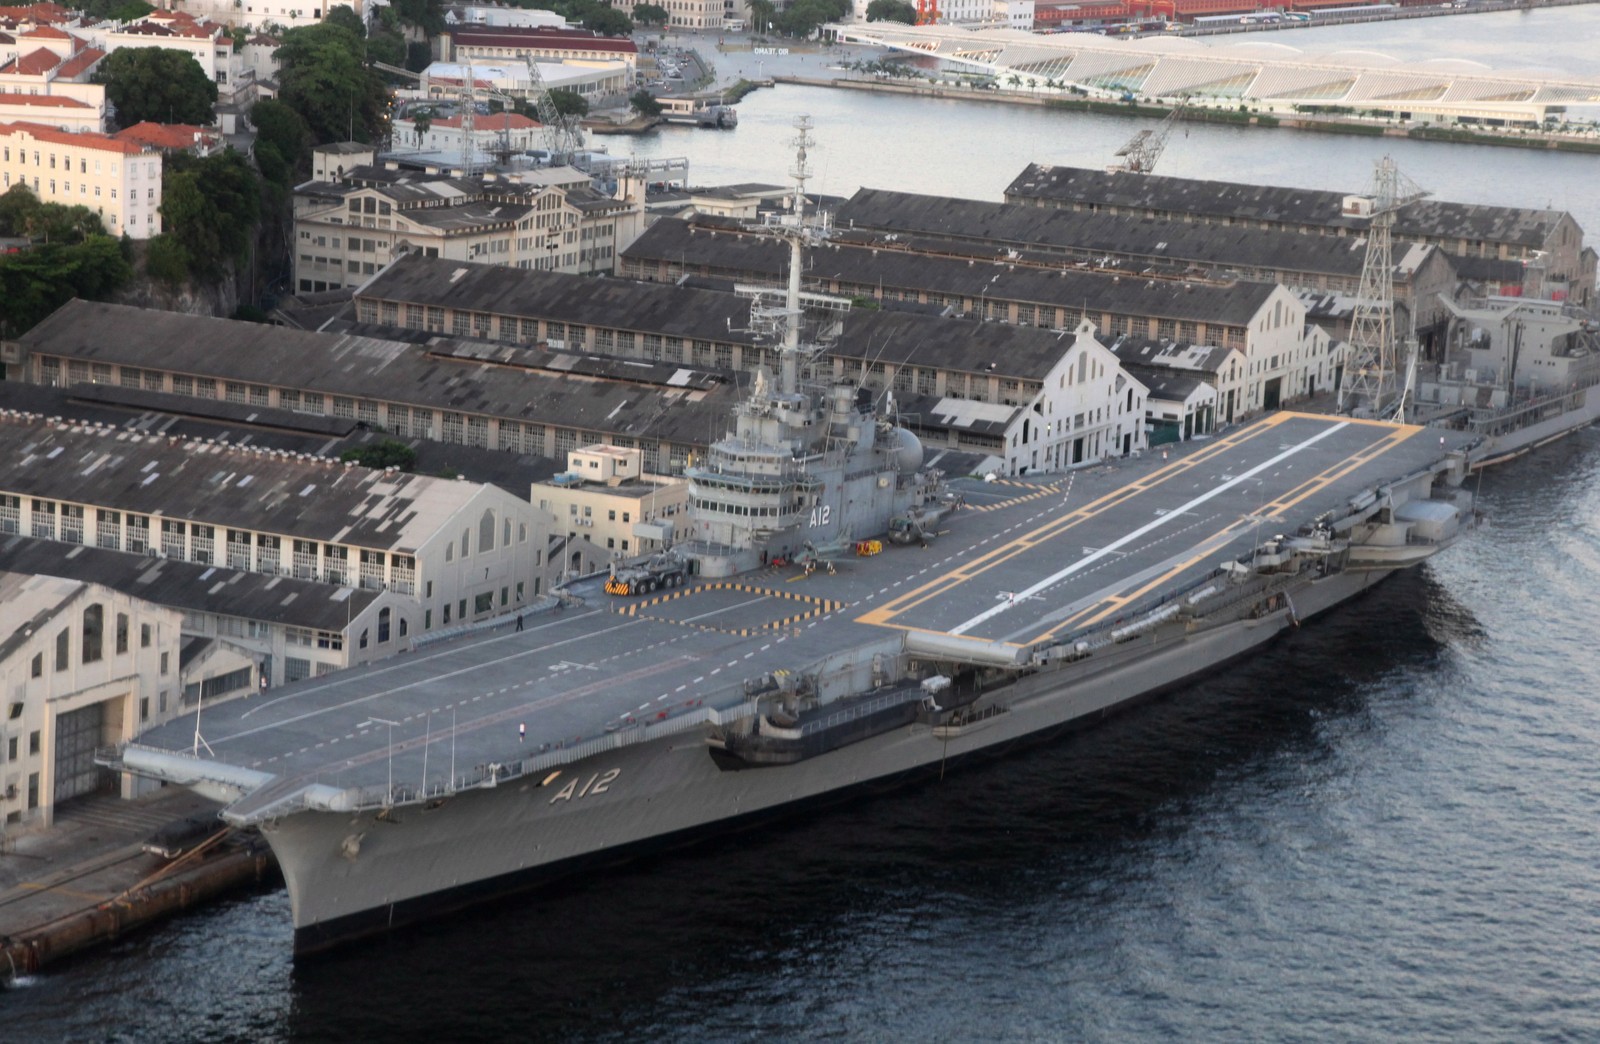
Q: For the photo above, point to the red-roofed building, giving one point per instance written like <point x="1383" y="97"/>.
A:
<point x="569" y="45"/>
<point x="173" y="137"/>
<point x="81" y="66"/>
<point x="34" y="63"/>
<point x="43" y="14"/>
<point x="52" y="110"/>
<point x="51" y="82"/>
<point x="119" y="180"/>
<point x="489" y="134"/>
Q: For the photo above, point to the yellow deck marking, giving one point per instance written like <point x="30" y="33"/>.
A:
<point x="1306" y="489"/>
<point x="884" y="614"/>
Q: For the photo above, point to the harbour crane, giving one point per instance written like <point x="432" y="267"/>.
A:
<point x="1139" y="155"/>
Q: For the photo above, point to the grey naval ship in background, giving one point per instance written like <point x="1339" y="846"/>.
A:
<point x="717" y="687"/>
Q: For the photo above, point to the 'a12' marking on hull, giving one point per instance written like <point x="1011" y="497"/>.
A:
<point x="597" y="784"/>
<point x="821" y="515"/>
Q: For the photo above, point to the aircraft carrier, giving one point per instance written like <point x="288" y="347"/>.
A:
<point x="845" y="616"/>
<point x="423" y="782"/>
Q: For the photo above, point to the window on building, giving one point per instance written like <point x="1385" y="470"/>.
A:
<point x="384" y="616"/>
<point x="63" y="648"/>
<point x="122" y="633"/>
<point x="37" y="671"/>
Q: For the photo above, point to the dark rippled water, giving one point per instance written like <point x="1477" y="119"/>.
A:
<point x="1383" y="829"/>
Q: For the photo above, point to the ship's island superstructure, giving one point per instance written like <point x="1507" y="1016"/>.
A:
<point x="844" y="615"/>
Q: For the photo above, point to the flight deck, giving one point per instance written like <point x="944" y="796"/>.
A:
<point x="1023" y="562"/>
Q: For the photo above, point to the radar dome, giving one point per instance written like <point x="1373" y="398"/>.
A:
<point x="907" y="451"/>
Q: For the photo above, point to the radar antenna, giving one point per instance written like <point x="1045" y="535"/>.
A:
<point x="799" y="230"/>
<point x="1370" y="370"/>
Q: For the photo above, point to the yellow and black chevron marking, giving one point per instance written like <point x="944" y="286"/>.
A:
<point x="819" y="607"/>
<point x="1038" y="491"/>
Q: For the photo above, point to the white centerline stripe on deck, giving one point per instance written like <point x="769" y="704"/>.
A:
<point x="1147" y="527"/>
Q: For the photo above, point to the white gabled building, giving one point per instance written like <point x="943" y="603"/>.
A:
<point x="1088" y="408"/>
<point x="1031" y="400"/>
<point x="81" y="666"/>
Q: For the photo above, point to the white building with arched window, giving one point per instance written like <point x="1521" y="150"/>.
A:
<point x="81" y="666"/>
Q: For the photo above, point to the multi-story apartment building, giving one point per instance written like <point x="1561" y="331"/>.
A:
<point x="606" y="498"/>
<point x="119" y="180"/>
<point x="349" y="230"/>
<point x="695" y="14"/>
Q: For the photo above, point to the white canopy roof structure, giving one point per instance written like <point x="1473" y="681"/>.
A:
<point x="1273" y="75"/>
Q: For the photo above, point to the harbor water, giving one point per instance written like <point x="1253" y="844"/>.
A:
<point x="1383" y="828"/>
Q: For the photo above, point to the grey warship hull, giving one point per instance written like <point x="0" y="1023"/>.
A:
<point x="418" y="862"/>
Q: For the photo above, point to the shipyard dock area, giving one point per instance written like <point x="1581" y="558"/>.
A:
<point x="1022" y="565"/>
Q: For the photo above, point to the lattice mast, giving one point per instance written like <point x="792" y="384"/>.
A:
<point x="1370" y="371"/>
<point x="469" y="116"/>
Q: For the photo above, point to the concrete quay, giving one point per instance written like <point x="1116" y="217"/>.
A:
<point x="87" y="879"/>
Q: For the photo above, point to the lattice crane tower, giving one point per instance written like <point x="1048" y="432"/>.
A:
<point x="1369" y="372"/>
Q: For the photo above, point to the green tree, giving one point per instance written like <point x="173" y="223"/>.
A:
<point x="608" y="21"/>
<point x="389" y="453"/>
<point x="418" y="56"/>
<point x="157" y="83"/>
<point x="210" y="208"/>
<point x="427" y="15"/>
<point x="650" y="14"/>
<point x="802" y="18"/>
<point x="115" y="10"/>
<point x="569" y="103"/>
<point x="283" y="130"/>
<point x="422" y="122"/>
<point x="387" y="47"/>
<point x="325" y="78"/>
<point x="644" y="103"/>
<point x="345" y="17"/>
<point x="71" y="256"/>
<point x="891" y="11"/>
<point x="22" y="214"/>
<point x="165" y="260"/>
<point x="763" y="15"/>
